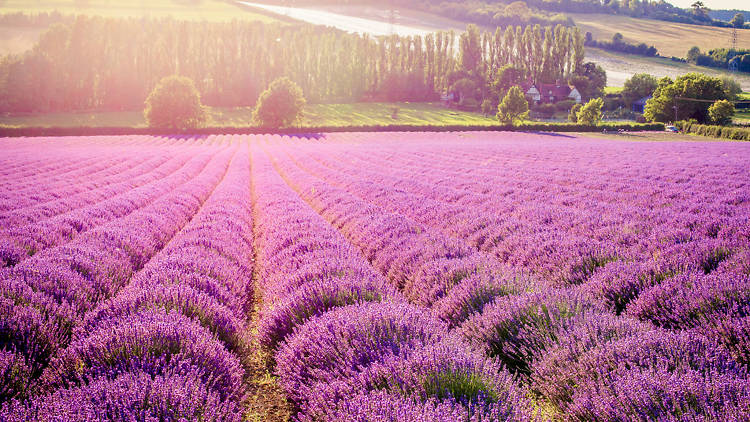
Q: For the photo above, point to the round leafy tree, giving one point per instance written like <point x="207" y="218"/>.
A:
<point x="721" y="112"/>
<point x="280" y="105"/>
<point x="573" y="115"/>
<point x="514" y="106"/>
<point x="175" y="104"/>
<point x="591" y="113"/>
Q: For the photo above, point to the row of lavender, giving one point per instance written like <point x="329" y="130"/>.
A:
<point x="345" y="343"/>
<point x="709" y="249"/>
<point x="68" y="166"/>
<point x="140" y="317"/>
<point x="64" y="205"/>
<point x="578" y="359"/>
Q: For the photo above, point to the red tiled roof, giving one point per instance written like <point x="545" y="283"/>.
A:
<point x="557" y="91"/>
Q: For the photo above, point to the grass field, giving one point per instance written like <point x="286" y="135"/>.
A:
<point x="209" y="10"/>
<point x="337" y="115"/>
<point x="742" y="117"/>
<point x="671" y="39"/>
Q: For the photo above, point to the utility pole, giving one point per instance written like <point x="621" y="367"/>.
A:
<point x="732" y="64"/>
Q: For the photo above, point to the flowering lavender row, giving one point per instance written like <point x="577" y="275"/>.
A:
<point x="49" y="187"/>
<point x="24" y="241"/>
<point x="39" y="190"/>
<point x="84" y="159"/>
<point x="306" y="267"/>
<point x="336" y="326"/>
<point x="97" y="190"/>
<point x="45" y="295"/>
<point x="688" y="268"/>
<point x="590" y="240"/>
<point x="112" y="178"/>
<point x="427" y="266"/>
<point x="178" y="325"/>
<point x="692" y="253"/>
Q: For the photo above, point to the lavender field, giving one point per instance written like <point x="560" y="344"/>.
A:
<point x="380" y="276"/>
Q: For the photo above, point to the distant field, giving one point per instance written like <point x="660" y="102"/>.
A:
<point x="335" y="115"/>
<point x="620" y="67"/>
<point x="742" y="117"/>
<point x="671" y="39"/>
<point x="210" y="10"/>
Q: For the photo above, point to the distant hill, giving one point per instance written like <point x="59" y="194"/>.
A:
<point x="727" y="15"/>
<point x="669" y="38"/>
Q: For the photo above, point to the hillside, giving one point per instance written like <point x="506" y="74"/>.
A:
<point x="209" y="10"/>
<point x="671" y="39"/>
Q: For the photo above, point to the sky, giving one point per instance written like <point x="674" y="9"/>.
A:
<point x="715" y="4"/>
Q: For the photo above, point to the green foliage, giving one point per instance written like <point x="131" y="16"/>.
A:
<point x="280" y="105"/>
<point x="738" y="21"/>
<point x="488" y="107"/>
<point x="590" y="81"/>
<point x="565" y="105"/>
<point x="526" y="126"/>
<point x="470" y="49"/>
<point x="175" y="104"/>
<point x="731" y="87"/>
<point x="726" y="132"/>
<point x="693" y="54"/>
<point x="507" y="76"/>
<point x="721" y="112"/>
<point x="638" y="86"/>
<point x="684" y="98"/>
<point x="573" y="115"/>
<point x="514" y="107"/>
<point x="591" y="113"/>
<point x="466" y="89"/>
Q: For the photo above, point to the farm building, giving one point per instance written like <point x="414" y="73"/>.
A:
<point x="550" y="93"/>
<point x="640" y="105"/>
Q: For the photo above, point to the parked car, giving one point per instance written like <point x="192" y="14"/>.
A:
<point x="671" y="128"/>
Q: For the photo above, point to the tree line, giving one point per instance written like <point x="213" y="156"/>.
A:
<point x="112" y="64"/>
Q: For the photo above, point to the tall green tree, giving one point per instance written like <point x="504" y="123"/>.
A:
<point x="721" y="112"/>
<point x="470" y="49"/>
<point x="175" y="104"/>
<point x="514" y="107"/>
<point x="280" y="105"/>
<point x="590" y="114"/>
<point x="638" y="86"/>
<point x="688" y="97"/>
<point x="738" y="21"/>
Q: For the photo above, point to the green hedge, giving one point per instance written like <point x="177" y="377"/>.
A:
<point x="526" y="127"/>
<point x="726" y="132"/>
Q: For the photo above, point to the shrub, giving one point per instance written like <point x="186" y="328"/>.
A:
<point x="488" y="107"/>
<point x="315" y="298"/>
<point x="516" y="329"/>
<point x="573" y="115"/>
<point x="175" y="104"/>
<point x="552" y="372"/>
<point x="689" y="300"/>
<point x="388" y="407"/>
<point x="473" y="293"/>
<point x="565" y="105"/>
<point x="449" y="372"/>
<point x="545" y="109"/>
<point x="341" y="343"/>
<point x="280" y="105"/>
<point x="591" y="112"/>
<point x="514" y="106"/>
<point x="131" y="396"/>
<point x="665" y="375"/>
<point x="155" y="342"/>
<point x="726" y="132"/>
<point x="721" y="112"/>
<point x="193" y="303"/>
